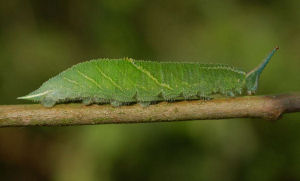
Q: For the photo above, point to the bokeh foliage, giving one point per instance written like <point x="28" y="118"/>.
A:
<point x="38" y="39"/>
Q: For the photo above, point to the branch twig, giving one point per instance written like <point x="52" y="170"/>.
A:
<point x="265" y="107"/>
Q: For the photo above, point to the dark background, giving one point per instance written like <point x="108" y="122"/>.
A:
<point x="39" y="39"/>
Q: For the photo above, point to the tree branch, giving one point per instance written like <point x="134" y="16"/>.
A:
<point x="265" y="107"/>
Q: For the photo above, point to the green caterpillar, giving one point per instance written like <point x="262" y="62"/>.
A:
<point x="125" y="81"/>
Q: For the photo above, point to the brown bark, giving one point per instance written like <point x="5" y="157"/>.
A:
<point x="265" y="107"/>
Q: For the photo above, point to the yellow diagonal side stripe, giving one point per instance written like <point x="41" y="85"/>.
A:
<point x="148" y="74"/>
<point x="90" y="79"/>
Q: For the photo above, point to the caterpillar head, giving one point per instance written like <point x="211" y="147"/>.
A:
<point x="252" y="77"/>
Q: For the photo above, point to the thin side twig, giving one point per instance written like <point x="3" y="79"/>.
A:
<point x="266" y="107"/>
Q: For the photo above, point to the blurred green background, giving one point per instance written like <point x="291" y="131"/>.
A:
<point x="39" y="39"/>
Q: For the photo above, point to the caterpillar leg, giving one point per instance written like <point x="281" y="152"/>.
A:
<point x="206" y="98"/>
<point x="87" y="101"/>
<point x="189" y="95"/>
<point x="115" y="103"/>
<point x="205" y="95"/>
<point x="144" y="103"/>
<point x="48" y="102"/>
<point x="98" y="100"/>
<point x="230" y="94"/>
